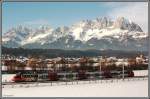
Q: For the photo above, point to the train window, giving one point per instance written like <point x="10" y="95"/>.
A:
<point x="46" y="76"/>
<point x="88" y="74"/>
<point x="28" y="75"/>
<point x="69" y="75"/>
<point x="61" y="76"/>
<point x="97" y="74"/>
<point x="24" y="75"/>
<point x="43" y="76"/>
<point x="77" y="75"/>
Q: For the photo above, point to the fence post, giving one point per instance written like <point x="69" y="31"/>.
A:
<point x="112" y="80"/>
<point x="20" y="85"/>
<point x="123" y="72"/>
<point x="51" y="83"/>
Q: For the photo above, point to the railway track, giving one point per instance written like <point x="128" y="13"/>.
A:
<point x="77" y="81"/>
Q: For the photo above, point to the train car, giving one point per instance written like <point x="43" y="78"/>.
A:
<point x="81" y="75"/>
<point x="94" y="75"/>
<point x="47" y="76"/>
<point x="130" y="73"/>
<point x="119" y="74"/>
<point x="27" y="76"/>
<point x="52" y="76"/>
<point x="33" y="76"/>
<point x="71" y="76"/>
<point x="67" y="76"/>
<point x="62" y="76"/>
<point x="43" y="77"/>
<point x="115" y="74"/>
<point x="18" y="78"/>
<point x="98" y="75"/>
<point x="90" y="75"/>
<point x="106" y="74"/>
<point x="127" y="73"/>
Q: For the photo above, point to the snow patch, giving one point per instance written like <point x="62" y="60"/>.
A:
<point x="137" y="88"/>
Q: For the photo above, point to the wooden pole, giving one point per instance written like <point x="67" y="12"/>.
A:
<point x="123" y="71"/>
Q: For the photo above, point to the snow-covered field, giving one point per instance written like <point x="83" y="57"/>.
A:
<point x="136" y="88"/>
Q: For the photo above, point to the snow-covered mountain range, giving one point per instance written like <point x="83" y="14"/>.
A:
<point x="100" y="33"/>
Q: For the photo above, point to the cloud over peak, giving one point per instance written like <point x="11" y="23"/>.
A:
<point x="135" y="11"/>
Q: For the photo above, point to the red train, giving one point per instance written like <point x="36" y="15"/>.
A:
<point x="35" y="76"/>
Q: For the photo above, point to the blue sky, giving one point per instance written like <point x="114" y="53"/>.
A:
<point x="65" y="13"/>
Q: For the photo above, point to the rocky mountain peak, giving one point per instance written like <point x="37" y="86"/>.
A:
<point x="125" y="24"/>
<point x="98" y="34"/>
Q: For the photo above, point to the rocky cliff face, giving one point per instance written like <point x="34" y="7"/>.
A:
<point x="100" y="33"/>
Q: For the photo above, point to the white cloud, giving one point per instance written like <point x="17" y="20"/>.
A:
<point x="136" y="12"/>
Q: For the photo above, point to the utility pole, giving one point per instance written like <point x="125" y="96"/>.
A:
<point x="123" y="70"/>
<point x="100" y="68"/>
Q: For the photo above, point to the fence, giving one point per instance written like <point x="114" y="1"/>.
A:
<point x="75" y="82"/>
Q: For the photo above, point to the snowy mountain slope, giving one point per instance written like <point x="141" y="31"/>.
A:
<point x="100" y="33"/>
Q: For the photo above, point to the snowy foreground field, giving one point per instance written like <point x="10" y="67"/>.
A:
<point x="136" y="88"/>
<point x="118" y="88"/>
